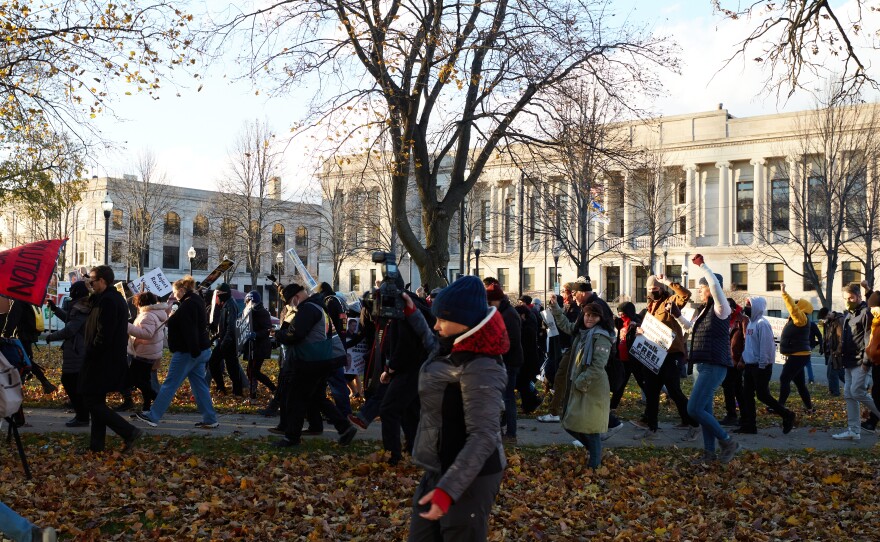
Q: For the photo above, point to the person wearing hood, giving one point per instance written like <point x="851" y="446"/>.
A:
<point x="259" y="347"/>
<point x="758" y="355"/>
<point x="461" y="386"/>
<point x="146" y="344"/>
<point x="794" y="344"/>
<point x="513" y="358"/>
<point x="73" y="349"/>
<point x="226" y="350"/>
<point x="307" y="334"/>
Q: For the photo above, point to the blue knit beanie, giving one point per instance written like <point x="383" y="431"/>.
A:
<point x="462" y="302"/>
<point x="253" y="296"/>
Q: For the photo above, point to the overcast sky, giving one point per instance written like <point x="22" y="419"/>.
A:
<point x="191" y="134"/>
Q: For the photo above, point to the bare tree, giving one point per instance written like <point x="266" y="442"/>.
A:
<point x="821" y="190"/>
<point x="863" y="210"/>
<point x="249" y="200"/>
<point x="804" y="41"/>
<point x="455" y="79"/>
<point x="144" y="202"/>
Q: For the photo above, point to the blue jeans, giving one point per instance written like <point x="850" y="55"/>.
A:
<point x="700" y="404"/>
<point x="339" y="391"/>
<point x="510" y="401"/>
<point x="810" y="376"/>
<point x="835" y="377"/>
<point x="184" y="366"/>
<point x="593" y="443"/>
<point x="14" y="526"/>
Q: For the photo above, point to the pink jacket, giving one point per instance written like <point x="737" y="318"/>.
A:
<point x="147" y="333"/>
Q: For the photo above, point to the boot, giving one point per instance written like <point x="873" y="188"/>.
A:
<point x="729" y="448"/>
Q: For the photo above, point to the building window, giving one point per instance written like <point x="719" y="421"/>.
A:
<point x="81" y="249"/>
<point x="739" y="275"/>
<point x="200" y="227"/>
<point x="682" y="225"/>
<point x="509" y="211"/>
<point x="116" y="251"/>
<point x="279" y="245"/>
<point x="116" y="219"/>
<point x="745" y="212"/>
<point x="354" y="280"/>
<point x="809" y="286"/>
<point x="485" y="219"/>
<point x="852" y="272"/>
<point x="200" y="262"/>
<point x="171" y="241"/>
<point x="682" y="192"/>
<point x="857" y="203"/>
<point x="301" y="241"/>
<point x="641" y="284"/>
<point x="552" y="278"/>
<point x="170" y="257"/>
<point x="775" y="276"/>
<point x="818" y="198"/>
<point x="373" y="275"/>
<point x="453" y="274"/>
<point x="612" y="283"/>
<point x="779" y="207"/>
<point x="504" y="278"/>
<point x="172" y="224"/>
<point x="528" y="278"/>
<point x="673" y="272"/>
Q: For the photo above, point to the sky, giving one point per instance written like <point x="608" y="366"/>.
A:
<point x="191" y="134"/>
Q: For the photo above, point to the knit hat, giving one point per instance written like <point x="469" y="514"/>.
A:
<point x="223" y="287"/>
<point x="291" y="290"/>
<point x="494" y="292"/>
<point x="253" y="296"/>
<point x="527" y="299"/>
<point x="462" y="302"/>
<point x="704" y="282"/>
<point x="78" y="290"/>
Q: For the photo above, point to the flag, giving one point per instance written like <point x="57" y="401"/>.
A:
<point x="25" y="271"/>
<point x="597" y="206"/>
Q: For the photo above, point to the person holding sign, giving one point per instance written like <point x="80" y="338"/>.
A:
<point x="665" y="301"/>
<point x="710" y="352"/>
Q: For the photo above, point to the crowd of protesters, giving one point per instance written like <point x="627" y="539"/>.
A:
<point x="444" y="374"/>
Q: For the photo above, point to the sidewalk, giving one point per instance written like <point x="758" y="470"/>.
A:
<point x="531" y="432"/>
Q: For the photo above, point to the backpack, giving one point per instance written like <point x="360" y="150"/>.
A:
<point x="10" y="388"/>
<point x="39" y="324"/>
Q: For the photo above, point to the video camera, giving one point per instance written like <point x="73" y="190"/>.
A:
<point x="391" y="303"/>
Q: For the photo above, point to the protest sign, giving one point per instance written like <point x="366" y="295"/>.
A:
<point x="776" y="324"/>
<point x="357" y="354"/>
<point x="25" y="271"/>
<point x="311" y="283"/>
<point x="223" y="267"/>
<point x="155" y="281"/>
<point x="243" y="330"/>
<point x="651" y="345"/>
<point x="552" y="330"/>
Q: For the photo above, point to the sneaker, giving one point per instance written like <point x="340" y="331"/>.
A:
<point x="76" y="423"/>
<point x="577" y="444"/>
<point x="869" y="427"/>
<point x="145" y="417"/>
<point x="691" y="435"/>
<point x="357" y="421"/>
<point x="612" y="430"/>
<point x="729" y="421"/>
<point x="548" y="418"/>
<point x="129" y="442"/>
<point x="47" y="534"/>
<point x="729" y="448"/>
<point x="645" y="434"/>
<point x="847" y="435"/>
<point x="347" y="436"/>
<point x="206" y="425"/>
<point x="788" y="422"/>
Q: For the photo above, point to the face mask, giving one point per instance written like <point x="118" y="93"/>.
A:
<point x="852" y="305"/>
<point x="656" y="296"/>
<point x="748" y="311"/>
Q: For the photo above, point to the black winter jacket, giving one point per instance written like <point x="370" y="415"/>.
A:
<point x="106" y="337"/>
<point x="73" y="350"/>
<point x="188" y="326"/>
<point x="514" y="357"/>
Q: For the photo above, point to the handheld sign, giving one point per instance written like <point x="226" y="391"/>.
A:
<point x="552" y="330"/>
<point x="155" y="281"/>
<point x="311" y="283"/>
<point x="651" y="346"/>
<point x="777" y="324"/>
<point x="223" y="267"/>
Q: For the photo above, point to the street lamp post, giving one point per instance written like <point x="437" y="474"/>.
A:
<point x="684" y="274"/>
<point x="107" y="206"/>
<point x="461" y="230"/>
<point x="478" y="244"/>
<point x="557" y="251"/>
<point x="279" y="259"/>
<point x="192" y="256"/>
<point x="665" y="254"/>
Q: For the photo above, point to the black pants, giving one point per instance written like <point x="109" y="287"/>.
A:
<point x="102" y="418"/>
<point x="309" y="388"/>
<point x="138" y="376"/>
<point x="630" y="368"/>
<point x="400" y="410"/>
<point x="793" y="371"/>
<point x="467" y="519"/>
<point x="225" y="353"/>
<point x="255" y="375"/>
<point x="281" y="400"/>
<point x="70" y="381"/>
<point x="653" y="383"/>
<point x="875" y="393"/>
<point x="756" y="381"/>
<point x="732" y="385"/>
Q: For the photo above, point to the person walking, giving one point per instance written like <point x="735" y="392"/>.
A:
<point x="146" y="344"/>
<point x="758" y="355"/>
<point x="710" y="352"/>
<point x="794" y="344"/>
<point x="259" y="345"/>
<point x="106" y="360"/>
<point x="458" y="443"/>
<point x="513" y="358"/>
<point x="21" y="323"/>
<point x="20" y="529"/>
<point x="190" y="348"/>
<point x="73" y="349"/>
<point x="833" y="328"/>
<point x="226" y="350"/>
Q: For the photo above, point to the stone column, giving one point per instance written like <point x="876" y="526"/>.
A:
<point x="759" y="203"/>
<point x="795" y="181"/>
<point x="691" y="215"/>
<point x="627" y="221"/>
<point x="490" y="227"/>
<point x="186" y="241"/>
<point x="724" y="206"/>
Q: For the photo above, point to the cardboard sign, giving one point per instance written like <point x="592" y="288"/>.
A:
<point x="552" y="330"/>
<point x="243" y="330"/>
<point x="358" y="354"/>
<point x="776" y="324"/>
<point x="311" y="283"/>
<point x="651" y="346"/>
<point x="224" y="266"/>
<point x="155" y="281"/>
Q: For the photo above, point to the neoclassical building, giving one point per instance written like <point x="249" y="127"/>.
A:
<point x="731" y="195"/>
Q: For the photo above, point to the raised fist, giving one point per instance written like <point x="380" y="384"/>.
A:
<point x="698" y="259"/>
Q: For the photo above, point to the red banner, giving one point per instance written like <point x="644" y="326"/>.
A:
<point x="25" y="271"/>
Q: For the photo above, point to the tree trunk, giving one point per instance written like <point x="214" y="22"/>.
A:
<point x="436" y="222"/>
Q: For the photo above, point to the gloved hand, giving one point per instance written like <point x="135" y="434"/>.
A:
<point x="51" y="304"/>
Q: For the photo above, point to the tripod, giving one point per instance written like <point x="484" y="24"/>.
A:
<point x="13" y="432"/>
